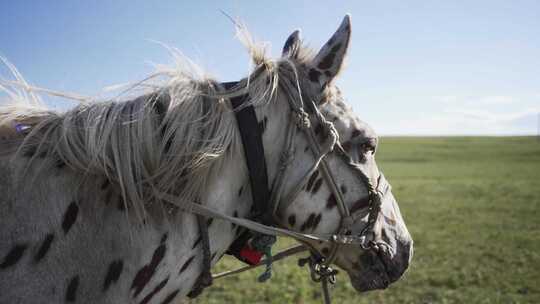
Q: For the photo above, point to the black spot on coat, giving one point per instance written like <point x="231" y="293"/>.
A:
<point x="311" y="180"/>
<point x="71" y="292"/>
<point x="70" y="216"/>
<point x="186" y="264"/>
<point x="144" y="275"/>
<point x="13" y="256"/>
<point x="317" y="186"/>
<point x="360" y="204"/>
<point x="155" y="291"/>
<point x="331" y="202"/>
<point x="356" y="133"/>
<point x="317" y="220"/>
<point x="170" y="297"/>
<point x="311" y="222"/>
<point x="113" y="273"/>
<point x="44" y="248"/>
<point x="197" y="241"/>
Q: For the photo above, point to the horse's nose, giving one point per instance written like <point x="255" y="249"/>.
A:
<point x="401" y="259"/>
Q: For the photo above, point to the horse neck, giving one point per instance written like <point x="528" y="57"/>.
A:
<point x="229" y="190"/>
<point x="274" y="119"/>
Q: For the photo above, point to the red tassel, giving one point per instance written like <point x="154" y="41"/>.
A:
<point x="251" y="256"/>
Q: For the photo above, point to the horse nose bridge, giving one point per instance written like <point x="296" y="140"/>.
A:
<point x="391" y="218"/>
<point x="390" y="229"/>
<point x="393" y="233"/>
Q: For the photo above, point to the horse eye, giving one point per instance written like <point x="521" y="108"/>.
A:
<point x="368" y="146"/>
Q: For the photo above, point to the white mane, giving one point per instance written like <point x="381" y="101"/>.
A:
<point x="171" y="139"/>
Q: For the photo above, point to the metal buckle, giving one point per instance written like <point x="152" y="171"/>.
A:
<point x="319" y="271"/>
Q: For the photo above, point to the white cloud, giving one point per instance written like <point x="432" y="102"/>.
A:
<point x="496" y="100"/>
<point x="468" y="115"/>
<point x="475" y="100"/>
<point x="447" y="99"/>
<point x="466" y="121"/>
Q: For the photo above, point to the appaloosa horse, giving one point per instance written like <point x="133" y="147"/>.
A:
<point x="82" y="208"/>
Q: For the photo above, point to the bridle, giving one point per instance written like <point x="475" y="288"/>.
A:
<point x="303" y="121"/>
<point x="304" y="115"/>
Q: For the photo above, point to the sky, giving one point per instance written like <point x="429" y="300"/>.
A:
<point x="413" y="68"/>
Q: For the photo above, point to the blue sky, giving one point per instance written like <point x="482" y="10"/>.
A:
<point x="414" y="67"/>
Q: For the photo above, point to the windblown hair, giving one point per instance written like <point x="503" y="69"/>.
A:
<point x="170" y="140"/>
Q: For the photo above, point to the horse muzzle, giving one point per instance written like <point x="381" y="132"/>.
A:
<point x="381" y="266"/>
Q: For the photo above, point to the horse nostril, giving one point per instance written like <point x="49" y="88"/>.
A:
<point x="396" y="259"/>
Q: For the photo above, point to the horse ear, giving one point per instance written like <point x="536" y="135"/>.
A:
<point x="327" y="63"/>
<point x="292" y="44"/>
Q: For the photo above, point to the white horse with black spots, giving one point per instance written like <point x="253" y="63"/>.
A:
<point x="82" y="216"/>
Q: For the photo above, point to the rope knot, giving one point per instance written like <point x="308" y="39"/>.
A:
<point x="331" y="129"/>
<point x="286" y="159"/>
<point x="333" y="137"/>
<point x="302" y="119"/>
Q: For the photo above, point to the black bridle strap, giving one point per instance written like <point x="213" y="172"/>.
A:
<point x="251" y="134"/>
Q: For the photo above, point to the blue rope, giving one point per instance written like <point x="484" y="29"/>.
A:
<point x="264" y="243"/>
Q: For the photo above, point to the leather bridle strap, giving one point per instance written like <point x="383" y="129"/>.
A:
<point x="251" y="135"/>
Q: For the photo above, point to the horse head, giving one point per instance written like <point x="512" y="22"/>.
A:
<point x="350" y="196"/>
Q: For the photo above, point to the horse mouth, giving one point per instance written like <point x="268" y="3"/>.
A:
<point x="375" y="275"/>
<point x="380" y="282"/>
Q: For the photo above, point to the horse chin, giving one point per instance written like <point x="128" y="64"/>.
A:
<point x="363" y="284"/>
<point x="373" y="274"/>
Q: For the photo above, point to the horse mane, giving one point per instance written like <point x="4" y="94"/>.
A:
<point x="171" y="139"/>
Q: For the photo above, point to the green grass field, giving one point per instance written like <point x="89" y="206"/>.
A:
<point x="472" y="206"/>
